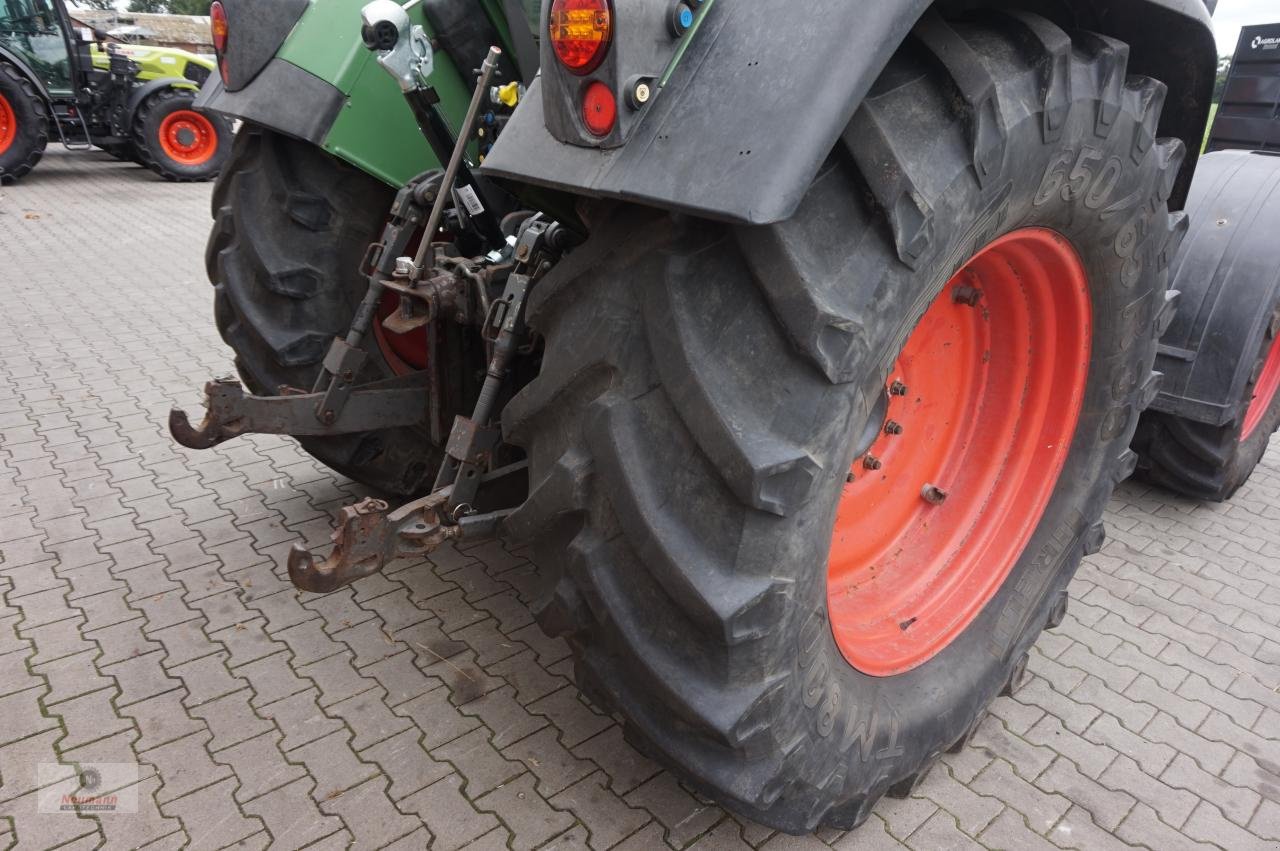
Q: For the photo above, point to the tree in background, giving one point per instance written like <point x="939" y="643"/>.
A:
<point x="172" y="7"/>
<point x="189" y="7"/>
<point x="1220" y="84"/>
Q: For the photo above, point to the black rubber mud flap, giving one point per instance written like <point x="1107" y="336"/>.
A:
<point x="704" y="387"/>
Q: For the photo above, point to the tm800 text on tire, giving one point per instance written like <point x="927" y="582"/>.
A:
<point x="725" y="414"/>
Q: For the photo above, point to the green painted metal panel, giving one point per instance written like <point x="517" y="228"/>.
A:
<point x="375" y="130"/>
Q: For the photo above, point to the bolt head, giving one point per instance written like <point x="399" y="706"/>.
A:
<point x="933" y="494"/>
<point x="897" y="388"/>
<point x="892" y="427"/>
<point x="329" y="418"/>
<point x="871" y="462"/>
<point x="849" y="478"/>
<point x="642" y="93"/>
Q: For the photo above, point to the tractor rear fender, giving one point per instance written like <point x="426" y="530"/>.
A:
<point x="140" y="93"/>
<point x="1228" y="272"/>
<point x="764" y="90"/>
<point x="21" y="64"/>
<point x="256" y="31"/>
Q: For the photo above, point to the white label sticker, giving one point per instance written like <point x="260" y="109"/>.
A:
<point x="470" y="200"/>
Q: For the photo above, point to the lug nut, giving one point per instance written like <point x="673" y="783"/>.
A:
<point x="897" y="388"/>
<point x="849" y="478"/>
<point x="933" y="494"/>
<point x="892" y="427"/>
<point x="966" y="295"/>
<point x="871" y="462"/>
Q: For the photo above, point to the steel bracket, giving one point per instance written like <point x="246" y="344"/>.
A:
<point x="231" y="412"/>
<point x="343" y="362"/>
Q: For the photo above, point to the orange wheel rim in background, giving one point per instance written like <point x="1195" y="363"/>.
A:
<point x="1264" y="391"/>
<point x="188" y="137"/>
<point x="980" y="408"/>
<point x="8" y="124"/>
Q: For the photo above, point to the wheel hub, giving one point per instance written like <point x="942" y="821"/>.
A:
<point x="188" y="137"/>
<point x="979" y="411"/>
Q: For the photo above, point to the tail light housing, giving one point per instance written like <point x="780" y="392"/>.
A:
<point x="218" y="29"/>
<point x="581" y="32"/>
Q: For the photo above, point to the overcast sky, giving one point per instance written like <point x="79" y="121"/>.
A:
<point x="1234" y="14"/>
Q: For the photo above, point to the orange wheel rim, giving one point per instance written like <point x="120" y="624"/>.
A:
<point x="8" y="124"/>
<point x="188" y="137"/>
<point x="1264" y="392"/>
<point x="979" y="412"/>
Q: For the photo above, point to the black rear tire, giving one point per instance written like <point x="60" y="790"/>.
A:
<point x="703" y="387"/>
<point x="1205" y="461"/>
<point x="151" y="152"/>
<point x="291" y="225"/>
<point x="31" y="133"/>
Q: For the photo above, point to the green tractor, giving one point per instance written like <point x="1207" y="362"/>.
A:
<point x="804" y="344"/>
<point x="66" y="82"/>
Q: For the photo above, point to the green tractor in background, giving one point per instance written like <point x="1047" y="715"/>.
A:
<point x="135" y="102"/>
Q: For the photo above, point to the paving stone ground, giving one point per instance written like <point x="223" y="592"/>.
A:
<point x="144" y="619"/>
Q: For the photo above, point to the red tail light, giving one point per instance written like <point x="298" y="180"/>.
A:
<point x="599" y="109"/>
<point x="581" y="31"/>
<point x="218" y="29"/>
<point x="218" y="26"/>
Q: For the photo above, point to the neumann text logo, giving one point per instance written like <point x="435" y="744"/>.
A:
<point x="1266" y="43"/>
<point x="97" y="787"/>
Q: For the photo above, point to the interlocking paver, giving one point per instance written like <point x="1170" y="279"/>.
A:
<point x="143" y="616"/>
<point x="607" y="817"/>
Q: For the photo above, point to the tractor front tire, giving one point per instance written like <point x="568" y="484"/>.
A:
<point x="24" y="124"/>
<point x="718" y="406"/>
<point x="1212" y="462"/>
<point x="178" y="142"/>
<point x="291" y="226"/>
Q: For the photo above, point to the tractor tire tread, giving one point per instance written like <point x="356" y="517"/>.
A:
<point x="38" y="140"/>
<point x="144" y="142"/>
<point x="280" y="295"/>
<point x="658" y="441"/>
